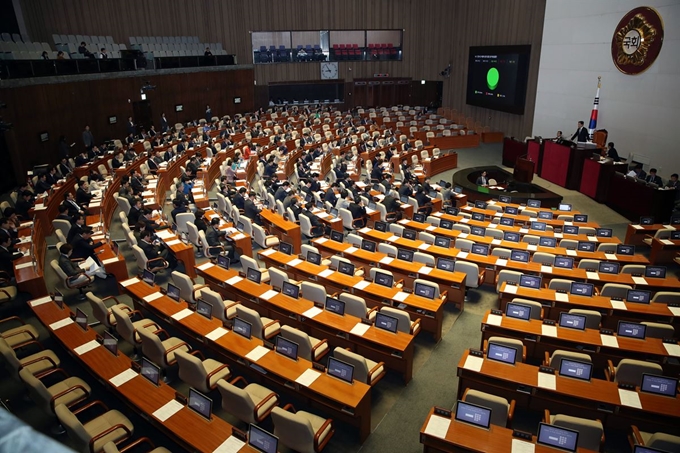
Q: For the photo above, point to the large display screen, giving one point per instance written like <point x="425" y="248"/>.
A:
<point x="497" y="77"/>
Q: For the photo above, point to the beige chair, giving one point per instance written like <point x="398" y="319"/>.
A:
<point x="143" y="263"/>
<point x="553" y="360"/>
<point x="314" y="292"/>
<point x="102" y="313"/>
<point x="61" y="225"/>
<point x="309" y="348"/>
<point x="222" y="309"/>
<point x="404" y="323"/>
<point x="658" y="440"/>
<point x="335" y="263"/>
<point x="591" y="432"/>
<point x="536" y="307"/>
<point x="200" y="373"/>
<point x="474" y="277"/>
<point x="111" y="426"/>
<point x="666" y="297"/>
<point x="615" y="290"/>
<point x="251" y="404"/>
<point x="111" y="447"/>
<point x="70" y="391"/>
<point x="262" y="328"/>
<point x="631" y="371"/>
<point x="36" y="363"/>
<point x="301" y="431"/>
<point x="263" y="239"/>
<point x="663" y="233"/>
<point x="559" y="284"/>
<point x="356" y="306"/>
<point x="593" y="318"/>
<point x="67" y="281"/>
<point x="18" y="336"/>
<point x="659" y="330"/>
<point x="501" y="410"/>
<point x="547" y="259"/>
<point x="249" y="263"/>
<point x="161" y="352"/>
<point x="517" y="345"/>
<point x="589" y="265"/>
<point x="365" y="370"/>
<point x="128" y="330"/>
<point x="188" y="290"/>
<point x="507" y="276"/>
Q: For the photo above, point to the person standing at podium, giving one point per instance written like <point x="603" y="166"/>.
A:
<point x="581" y="133"/>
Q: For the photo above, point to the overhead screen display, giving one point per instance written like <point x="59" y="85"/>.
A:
<point x="497" y="77"/>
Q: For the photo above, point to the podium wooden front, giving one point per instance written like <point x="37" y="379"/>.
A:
<point x="524" y="170"/>
<point x="595" y="178"/>
<point x="535" y="154"/>
<point x="512" y="149"/>
<point x="556" y="159"/>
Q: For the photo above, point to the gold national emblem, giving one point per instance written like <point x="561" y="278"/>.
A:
<point x="637" y="40"/>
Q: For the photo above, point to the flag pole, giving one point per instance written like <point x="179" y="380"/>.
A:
<point x="593" y="114"/>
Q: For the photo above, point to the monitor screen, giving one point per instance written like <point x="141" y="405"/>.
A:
<point x="534" y="203"/>
<point x="518" y="311"/>
<point x="446" y="224"/>
<point x="441" y="241"/>
<point x="608" y="268"/>
<point x="570" y="229"/>
<point x="501" y="353"/>
<point x="556" y="437"/>
<point x="511" y="210"/>
<point x="480" y="204"/>
<point x="240" y="226"/>
<point x="403" y="199"/>
<point x="446" y="264"/>
<point x="173" y="292"/>
<point x="655" y="272"/>
<point x="625" y="249"/>
<point x="385" y="322"/>
<point x="405" y="255"/>
<point x="572" y="321"/>
<point x="582" y="289"/>
<point x="346" y="268"/>
<point x="242" y="327"/>
<point x="576" y="369"/>
<point x="675" y="235"/>
<point x="383" y="279"/>
<point x="341" y="370"/>
<point x="477" y="231"/>
<point x="646" y="220"/>
<point x="505" y="199"/>
<point x="314" y="258"/>
<point x="110" y="343"/>
<point x="336" y="236"/>
<point x="367" y="245"/>
<point x="223" y="262"/>
<point x="81" y="319"/>
<point x="638" y="296"/>
<point x="519" y="255"/>
<point x="457" y="189"/>
<point x="586" y="246"/>
<point x="480" y="249"/>
<point x="151" y="371"/>
<point x="287" y="348"/>
<point x="510" y="236"/>
<point x="530" y="281"/>
<point x="545" y="215"/>
<point x="200" y="403"/>
<point x="58" y="298"/>
<point x="290" y="290"/>
<point x="417" y="217"/>
<point x="442" y="183"/>
<point x="631" y="330"/>
<point x="538" y="226"/>
<point x="262" y="440"/>
<point x="334" y="212"/>
<point x="478" y="216"/>
<point x="643" y="449"/>
<point x="285" y="247"/>
<point x="423" y="290"/>
<point x="564" y="207"/>
<point x="660" y="385"/>
<point x="604" y="232"/>
<point x="547" y="242"/>
<point x="580" y="218"/>
<point x="565" y="262"/>
<point x="148" y="277"/>
<point x="204" y="308"/>
<point x="452" y="210"/>
<point x="409" y="234"/>
<point x="254" y="275"/>
<point x="675" y="220"/>
<point x="473" y="414"/>
<point x="335" y="306"/>
<point x="380" y="226"/>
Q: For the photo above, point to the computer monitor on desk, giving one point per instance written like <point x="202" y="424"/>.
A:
<point x="564" y="262"/>
<point x="243" y="328"/>
<point x="480" y="249"/>
<point x="585" y="246"/>
<point x="290" y="290"/>
<point x="368" y="246"/>
<point x="538" y="226"/>
<point x="545" y="215"/>
<point x="631" y="330"/>
<point x="173" y="292"/>
<point x="417" y="217"/>
<point x="571" y="321"/>
<point x="606" y="267"/>
<point x="385" y="322"/>
<point x="480" y="204"/>
<point x="582" y="289"/>
<point x="530" y="281"/>
<point x="477" y="230"/>
<point x="285" y="247"/>
<point x="336" y="236"/>
<point x="314" y="258"/>
<point x="380" y="226"/>
<point x="659" y="385"/>
<point x="446" y="264"/>
<point x="511" y="210"/>
<point x="655" y="272"/>
<point x="340" y="370"/>
<point x="625" y="249"/>
<point x="204" y="308"/>
<point x="200" y="403"/>
<point x="570" y="229"/>
<point x="554" y="436"/>
<point x="286" y="348"/>
<point x="410" y="234"/>
<point x="520" y="256"/>
<point x="383" y="279"/>
<point x="580" y="218"/>
<point x="148" y="277"/>
<point x="638" y="296"/>
<point x="405" y="255"/>
<point x="442" y="241"/>
<point x="473" y="414"/>
<point x="533" y="203"/>
<point x="423" y="290"/>
<point x="501" y="353"/>
<point x="510" y="236"/>
<point x="346" y="268"/>
<point x="478" y="216"/>
<point x="518" y="311"/>
<point x="262" y="440"/>
<point x="446" y="224"/>
<point x="576" y="369"/>
<point x="564" y="207"/>
<point x="547" y="242"/>
<point x="335" y="306"/>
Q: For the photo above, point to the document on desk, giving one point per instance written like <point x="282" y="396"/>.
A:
<point x="62" y="323"/>
<point x="547" y="381"/>
<point x="182" y="314"/>
<point x="268" y="294"/>
<point x="400" y="296"/>
<point x="386" y="260"/>
<point x="350" y="250"/>
<point x="423" y="246"/>
<point x="217" y="334"/>
<point x="522" y="446"/>
<point x="639" y="280"/>
<point x="205" y="266"/>
<point x="558" y="235"/>
<point x="24" y="265"/>
<point x="312" y="312"/>
<point x="462" y="255"/>
<point x="131" y="281"/>
<point x="473" y="363"/>
<point x="308" y="377"/>
<point x="231" y="445"/>
<point x="430" y="228"/>
<point x="438" y="214"/>
<point x="675" y="310"/>
<point x="610" y="256"/>
<point x="462" y="235"/>
<point x="438" y="426"/>
<point x="638" y="227"/>
<point x="361" y="285"/>
<point x="672" y="349"/>
<point x="546" y="269"/>
<point x="496" y="241"/>
<point x="165" y="234"/>
<point x="666" y="242"/>
<point x="123" y="377"/>
<point x="363" y="230"/>
<point x="173" y="242"/>
<point x="110" y="260"/>
<point x="510" y="289"/>
<point x="562" y="297"/>
<point x="494" y="320"/>
<point x="425" y="270"/>
<point x="532" y="248"/>
<point x="87" y="347"/>
<point x="464" y="220"/>
<point x="669" y="227"/>
<point x="618" y="304"/>
<point x="548" y="331"/>
<point x="294" y="262"/>
<point x="392" y="238"/>
<point x="359" y="329"/>
<point x="323" y="240"/>
<point x="630" y="398"/>
<point x="497" y="214"/>
<point x="257" y="353"/>
<point x="267" y="252"/>
<point x="523" y="230"/>
<point x="571" y="252"/>
<point x="609" y="340"/>
<point x="233" y="280"/>
<point x="42" y="300"/>
<point x="501" y="262"/>
<point x="592" y="275"/>
<point x="153" y="296"/>
<point x="168" y="410"/>
<point x="326" y="273"/>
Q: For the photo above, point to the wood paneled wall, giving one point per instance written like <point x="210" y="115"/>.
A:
<point x="436" y="32"/>
<point x="66" y="108"/>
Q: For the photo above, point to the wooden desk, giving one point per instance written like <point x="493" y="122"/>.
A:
<point x="664" y="250"/>
<point x="285" y="230"/>
<point x="463" y="437"/>
<point x="183" y="252"/>
<point x="635" y="233"/>
<point x="186" y="427"/>
<point x="445" y="162"/>
<point x="526" y="220"/>
<point x="350" y="403"/>
<point x="242" y="241"/>
<point x="587" y="341"/>
<point x="597" y="398"/>
<point x="431" y="312"/>
<point x="29" y="271"/>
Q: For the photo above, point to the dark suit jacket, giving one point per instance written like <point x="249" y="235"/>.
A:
<point x="405" y="191"/>
<point x="83" y="197"/>
<point x="22" y="207"/>
<point x="69" y="267"/>
<point x="64" y="169"/>
<point x="655" y="180"/>
<point x="83" y="248"/>
<point x="581" y="135"/>
<point x="239" y="201"/>
<point x="133" y="216"/>
<point x="150" y="250"/>
<point x="73" y="232"/>
<point x="213" y="237"/>
<point x="164" y="124"/>
<point x="7" y="256"/>
<point x="72" y="208"/>
<point x="42" y="186"/>
<point x="251" y="211"/>
<point x="391" y="204"/>
<point x="612" y="153"/>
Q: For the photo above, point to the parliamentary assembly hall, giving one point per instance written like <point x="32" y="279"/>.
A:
<point x="339" y="226"/>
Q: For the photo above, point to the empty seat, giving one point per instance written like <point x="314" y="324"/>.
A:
<point x="69" y="391"/>
<point x="309" y="348"/>
<point x="658" y="440"/>
<point x="536" y="309"/>
<point x="251" y="404"/>
<point x="501" y="410"/>
<point x="553" y="360"/>
<point x="19" y="335"/>
<point x="659" y="330"/>
<point x="517" y="345"/>
<point x="615" y="290"/>
<point x="365" y="370"/>
<point x="356" y="306"/>
<point x="111" y="426"/>
<point x="593" y="318"/>
<point x="262" y="327"/>
<point x="199" y="372"/>
<point x="631" y="371"/>
<point x="591" y="432"/>
<point x="404" y="323"/>
<point x="301" y="431"/>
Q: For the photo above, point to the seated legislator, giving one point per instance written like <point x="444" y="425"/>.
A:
<point x="216" y="238"/>
<point x="652" y="178"/>
<point x="612" y="153"/>
<point x="75" y="274"/>
<point x="76" y="227"/>
<point x="7" y="255"/>
<point x="251" y="210"/>
<point x="42" y="185"/>
<point x="83" y="197"/>
<point x="156" y="255"/>
<point x="24" y="204"/>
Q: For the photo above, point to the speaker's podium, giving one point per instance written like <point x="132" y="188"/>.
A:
<point x="524" y="170"/>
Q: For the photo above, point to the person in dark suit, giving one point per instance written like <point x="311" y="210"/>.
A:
<point x="318" y="228"/>
<point x="406" y="169"/>
<point x="71" y="205"/>
<point x="83" y="245"/>
<point x="75" y="274"/>
<point x="6" y="229"/>
<point x="65" y="167"/>
<point x="482" y="180"/>
<point x="76" y="227"/>
<point x="581" y="133"/>
<point x="391" y="202"/>
<point x="137" y="182"/>
<point x="281" y="192"/>
<point x="83" y="197"/>
<point x="673" y="182"/>
<point x="24" y="204"/>
<point x="358" y="214"/>
<point x="8" y="255"/>
<point x="164" y="123"/>
<point x="612" y="153"/>
<point x="387" y="182"/>
<point x="331" y="195"/>
<point x="406" y="190"/>
<point x="63" y="213"/>
<point x="216" y="238"/>
<point x="135" y="213"/>
<point x="178" y="208"/>
<point x="652" y="178"/>
<point x="208" y="112"/>
<point x="52" y="176"/>
<point x="42" y="185"/>
<point x="250" y="210"/>
<point x="156" y="255"/>
<point x="199" y="222"/>
<point x="340" y="174"/>
<point x="239" y="199"/>
<point x="424" y="202"/>
<point x="315" y="184"/>
<point x="131" y="128"/>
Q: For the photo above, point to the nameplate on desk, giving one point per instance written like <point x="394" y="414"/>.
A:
<point x="361" y="285"/>
<point x="497" y="214"/>
<point x="322" y="240"/>
<point x="168" y="410"/>
<point x="423" y="246"/>
<point x="42" y="300"/>
<point x="363" y="230"/>
<point x="674" y="310"/>
<point x="630" y="398"/>
<point x="437" y="214"/>
<point x="462" y="235"/>
<point x="268" y="294"/>
<point x="562" y="297"/>
<point x="638" y="227"/>
<point x="326" y="273"/>
<point x="233" y="280"/>
<point x="94" y="205"/>
<point x="123" y="377"/>
<point x="181" y="314"/>
<point x="24" y="265"/>
<point x="672" y="349"/>
<point x="153" y="296"/>
<point x="131" y="281"/>
<point x="639" y="280"/>
<point x="609" y="340"/>
<point x="473" y="363"/>
<point x="592" y="238"/>
<point x="438" y="426"/>
<point x="400" y="296"/>
<point x="592" y="275"/>
<point x="110" y="260"/>
<point x="462" y="255"/>
<point x="205" y="266"/>
<point x="25" y="240"/>
<point x="523" y="230"/>
<point x="667" y="242"/>
<point x="312" y="312"/>
<point x="547" y="381"/>
<point x="173" y="242"/>
<point x="386" y="260"/>
<point x="61" y="323"/>
<point x="217" y="334"/>
<point x="257" y="353"/>
<point x="669" y="227"/>
<point x="392" y="238"/>
<point x="360" y="329"/>
<point x="510" y="289"/>
<point x="425" y="270"/>
<point x="502" y="262"/>
<point x="267" y="252"/>
<point x="87" y="347"/>
<point x="559" y="235"/>
<point x="430" y="228"/>
<point x="618" y="304"/>
<point x="546" y="269"/>
<point x="308" y="377"/>
<point x="548" y="331"/>
<point x="293" y="262"/>
<point x="148" y="193"/>
<point x="464" y="220"/>
<point x="494" y="320"/>
<point x="403" y="221"/>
